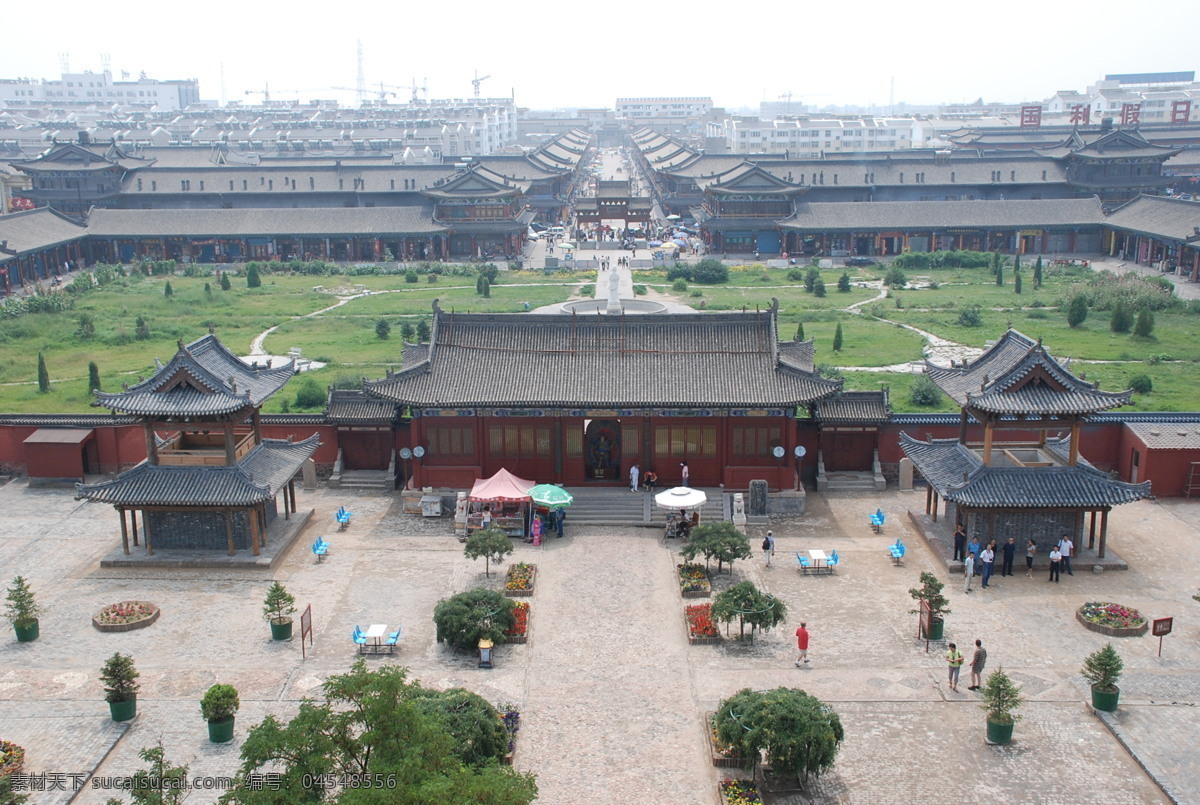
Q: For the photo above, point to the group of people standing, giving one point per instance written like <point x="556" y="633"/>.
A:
<point x="650" y="480"/>
<point x="955" y="660"/>
<point x="980" y="560"/>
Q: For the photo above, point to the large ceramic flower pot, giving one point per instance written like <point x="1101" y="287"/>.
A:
<point x="1105" y="700"/>
<point x="27" y="632"/>
<point x="220" y="732"/>
<point x="936" y="630"/>
<point x="999" y="733"/>
<point x="281" y="631"/>
<point x="123" y="711"/>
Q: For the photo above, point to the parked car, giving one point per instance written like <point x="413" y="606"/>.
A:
<point x="859" y="261"/>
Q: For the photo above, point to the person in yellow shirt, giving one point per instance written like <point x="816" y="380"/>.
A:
<point x="955" y="659"/>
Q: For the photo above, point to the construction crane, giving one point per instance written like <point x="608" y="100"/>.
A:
<point x="265" y="92"/>
<point x="476" y="81"/>
<point x="423" y="88"/>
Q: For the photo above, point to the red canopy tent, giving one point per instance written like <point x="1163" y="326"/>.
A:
<point x="503" y="486"/>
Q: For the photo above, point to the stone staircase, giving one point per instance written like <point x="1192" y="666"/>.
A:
<point x="367" y="480"/>
<point x="618" y="506"/>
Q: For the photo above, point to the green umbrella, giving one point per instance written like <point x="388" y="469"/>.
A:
<point x="551" y="496"/>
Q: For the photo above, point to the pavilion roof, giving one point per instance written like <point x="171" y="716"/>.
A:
<point x="256" y="478"/>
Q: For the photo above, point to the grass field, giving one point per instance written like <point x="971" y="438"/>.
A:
<point x="344" y="335"/>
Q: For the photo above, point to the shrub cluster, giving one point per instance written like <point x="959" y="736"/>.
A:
<point x="955" y="259"/>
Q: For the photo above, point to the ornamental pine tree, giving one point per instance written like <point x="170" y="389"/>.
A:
<point x="93" y="376"/>
<point x="999" y="273"/>
<point x="1016" y="283"/>
<point x="253" y="280"/>
<point x="382" y="328"/>
<point x="423" y="331"/>
<point x="43" y="375"/>
<point x="225" y="284"/>
<point x="1145" y="324"/>
<point x="1037" y="274"/>
<point x="800" y="331"/>
<point x="167" y="290"/>
<point x="1077" y="311"/>
<point x="837" y="338"/>
<point x="844" y="283"/>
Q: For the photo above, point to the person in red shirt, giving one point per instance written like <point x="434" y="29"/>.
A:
<point x="802" y="643"/>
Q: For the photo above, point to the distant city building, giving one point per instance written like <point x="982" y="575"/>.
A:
<point x="644" y="109"/>
<point x="100" y="88"/>
<point x="811" y="137"/>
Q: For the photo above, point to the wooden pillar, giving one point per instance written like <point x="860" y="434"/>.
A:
<point x="255" y="424"/>
<point x="124" y="533"/>
<point x="1073" y="458"/>
<point x="230" y="445"/>
<point x="151" y="443"/>
<point x="229" y="531"/>
<point x="987" y="443"/>
<point x="1092" y="531"/>
<point x="252" y="515"/>
<point x="935" y="505"/>
<point x="928" y="498"/>
<point x="133" y="520"/>
<point x="1103" y="533"/>
<point x="292" y="490"/>
<point x="286" y="512"/>
<point x="962" y="427"/>
<point x="149" y="537"/>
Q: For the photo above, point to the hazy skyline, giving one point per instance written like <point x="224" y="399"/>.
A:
<point x="547" y="55"/>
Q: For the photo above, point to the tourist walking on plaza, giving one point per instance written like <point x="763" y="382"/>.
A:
<point x="684" y="472"/>
<point x="768" y="548"/>
<point x="1030" y="552"/>
<point x="1055" y="557"/>
<point x="988" y="558"/>
<point x="1010" y="553"/>
<point x="978" y="660"/>
<point x="968" y="571"/>
<point x="802" y="643"/>
<point x="1066" y="548"/>
<point x="955" y="659"/>
<point x="960" y="542"/>
<point x="974" y="548"/>
<point x="633" y="478"/>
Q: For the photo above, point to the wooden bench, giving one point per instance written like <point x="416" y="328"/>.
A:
<point x="343" y="518"/>
<point x="877" y="520"/>
<point x="320" y="548"/>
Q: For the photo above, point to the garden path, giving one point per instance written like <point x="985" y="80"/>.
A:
<point x="608" y="670"/>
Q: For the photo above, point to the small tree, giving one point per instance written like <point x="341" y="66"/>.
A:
<point x="1141" y="384"/>
<point x="279" y="605"/>
<point x="422" y="331"/>
<point x="161" y="784"/>
<point x="710" y="272"/>
<point x="995" y="263"/>
<point x="1102" y="669"/>
<point x="141" y="330"/>
<point x="407" y="331"/>
<point x="1121" y="320"/>
<point x="43" y="375"/>
<point x="1001" y="697"/>
<point x="1144" y="328"/>
<point x="750" y="606"/>
<point x="410" y="276"/>
<point x="86" y="330"/>
<point x="895" y="277"/>
<point x="720" y="541"/>
<point x="225" y="284"/>
<point x="22" y="609"/>
<point x="491" y="543"/>
<point x="930" y="592"/>
<point x="208" y="291"/>
<point x="1077" y="311"/>
<point x="924" y="392"/>
<point x="309" y="395"/>
<point x="837" y="338"/>
<point x="1037" y="273"/>
<point x="1016" y="283"/>
<point x="970" y="317"/>
<point x="93" y="376"/>
<point x="253" y="280"/>
<point x="800" y="331"/>
<point x="810" y="279"/>
<point x="819" y="289"/>
<point x="478" y="729"/>
<point x="119" y="677"/>
<point x="799" y="733"/>
<point x="464" y="619"/>
<point x="999" y="272"/>
<point x="382" y="329"/>
<point x="220" y="703"/>
<point x="168" y="291"/>
<point x="844" y="283"/>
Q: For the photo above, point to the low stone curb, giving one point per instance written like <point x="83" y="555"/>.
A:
<point x="128" y="627"/>
<point x="1113" y="631"/>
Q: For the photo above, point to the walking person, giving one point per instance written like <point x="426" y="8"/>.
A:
<point x="634" y="471"/>
<point x="1010" y="552"/>
<point x="1030" y="552"/>
<point x="802" y="643"/>
<point x="960" y="542"/>
<point x="684" y="472"/>
<point x="559" y="516"/>
<point x="955" y="660"/>
<point x="978" y="660"/>
<point x="988" y="557"/>
<point x="1066" y="547"/>
<point x="768" y="547"/>
<point x="968" y="571"/>
<point x="1055" y="559"/>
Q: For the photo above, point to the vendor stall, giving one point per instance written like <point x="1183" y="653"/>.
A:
<point x="502" y="501"/>
<point x="683" y="504"/>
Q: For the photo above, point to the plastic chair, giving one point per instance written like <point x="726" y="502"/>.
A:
<point x="804" y="562"/>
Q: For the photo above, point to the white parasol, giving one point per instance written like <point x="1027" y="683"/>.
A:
<point x="681" y="497"/>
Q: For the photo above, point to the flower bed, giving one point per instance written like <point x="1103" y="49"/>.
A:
<point x="693" y="581"/>
<point x="1114" y="620"/>
<point x="520" y="631"/>
<point x="510" y="714"/>
<point x="12" y="758"/>
<point x="722" y="756"/>
<point x="125" y="616"/>
<point x="519" y="581"/>
<point x="739" y="792"/>
<point x="702" y="629"/>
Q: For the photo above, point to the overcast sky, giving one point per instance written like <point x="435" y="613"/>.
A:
<point x="562" y="54"/>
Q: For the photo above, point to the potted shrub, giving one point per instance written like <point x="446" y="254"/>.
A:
<point x="930" y="592"/>
<point x="219" y="705"/>
<point x="278" y="608"/>
<point x="1001" y="696"/>
<point x="120" y="686"/>
<point x="1102" y="669"/>
<point x="22" y="610"/>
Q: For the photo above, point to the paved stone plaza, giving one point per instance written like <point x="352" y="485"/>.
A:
<point x="612" y="695"/>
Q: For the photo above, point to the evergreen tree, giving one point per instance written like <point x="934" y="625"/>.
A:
<point x="225" y="285"/>
<point x="1122" y="319"/>
<point x="253" y="280"/>
<point x="423" y="331"/>
<point x="168" y="291"/>
<point x="1077" y="311"/>
<point x="819" y="289"/>
<point x="1016" y="283"/>
<point x="1037" y="273"/>
<point x="995" y="263"/>
<point x="43" y="375"/>
<point x="999" y="273"/>
<point x="800" y="331"/>
<point x="1145" y="323"/>
<point x="844" y="283"/>
<point x="810" y="279"/>
<point x="208" y="291"/>
<point x="1016" y="264"/>
<point x="382" y="328"/>
<point x="407" y="332"/>
<point x="93" y="376"/>
<point x="141" y="329"/>
<point x="86" y="329"/>
<point x="837" y="338"/>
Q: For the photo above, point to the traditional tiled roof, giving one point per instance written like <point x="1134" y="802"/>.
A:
<point x="310" y="222"/>
<point x="204" y="379"/>
<point x="34" y="230"/>
<point x="1185" y="436"/>
<point x="351" y="405"/>
<point x="867" y="407"/>
<point x="698" y="359"/>
<point x="256" y="478"/>
<point x="1017" y="376"/>
<point x="66" y="420"/>
<point x="958" y="474"/>
<point x="478" y="182"/>
<point x="1008" y="214"/>
<point x="1157" y="216"/>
